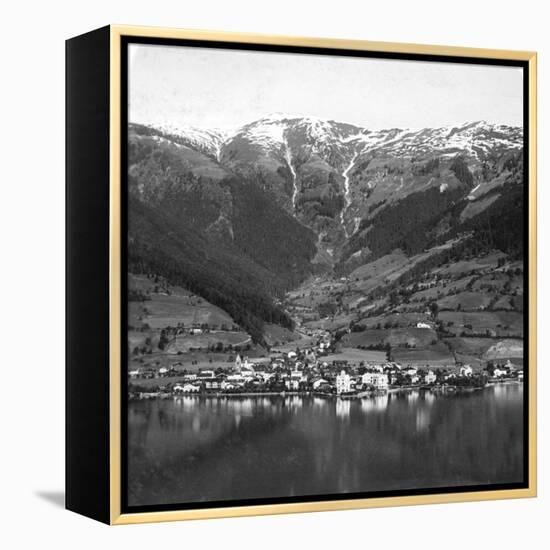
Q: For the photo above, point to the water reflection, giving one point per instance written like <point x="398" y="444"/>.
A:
<point x="412" y="396"/>
<point x="377" y="403"/>
<point x="422" y="419"/>
<point x="194" y="448"/>
<point x="343" y="407"/>
<point x="319" y="401"/>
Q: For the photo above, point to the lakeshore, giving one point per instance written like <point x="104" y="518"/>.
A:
<point x="360" y="395"/>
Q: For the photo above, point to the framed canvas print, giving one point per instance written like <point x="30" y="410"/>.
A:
<point x="300" y="274"/>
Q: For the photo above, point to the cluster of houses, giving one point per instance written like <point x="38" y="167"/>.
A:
<point x="297" y="371"/>
<point x="381" y="377"/>
<point x="196" y="328"/>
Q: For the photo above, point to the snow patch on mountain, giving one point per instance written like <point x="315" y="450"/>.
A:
<point x="268" y="133"/>
<point x="475" y="139"/>
<point x="206" y="141"/>
<point x="311" y="134"/>
<point x="347" y="195"/>
<point x="288" y="158"/>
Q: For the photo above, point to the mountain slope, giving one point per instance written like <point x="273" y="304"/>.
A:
<point x="285" y="197"/>
<point x="219" y="274"/>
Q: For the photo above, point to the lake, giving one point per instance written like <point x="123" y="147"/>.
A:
<point x="195" y="449"/>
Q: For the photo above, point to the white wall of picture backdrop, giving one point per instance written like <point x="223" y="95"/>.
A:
<point x="32" y="298"/>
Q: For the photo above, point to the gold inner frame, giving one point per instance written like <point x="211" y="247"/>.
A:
<point x="117" y="518"/>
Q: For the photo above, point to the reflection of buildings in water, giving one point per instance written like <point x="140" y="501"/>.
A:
<point x="319" y="402"/>
<point x="343" y="407"/>
<point x="164" y="419"/>
<point x="423" y="415"/>
<point x="504" y="393"/>
<point x="242" y="406"/>
<point x="186" y="403"/>
<point x="213" y="404"/>
<point x="295" y="402"/>
<point x="186" y="415"/>
<point x="377" y="403"/>
<point x="196" y="424"/>
<point x="424" y="411"/>
<point x="139" y="422"/>
<point x="429" y="398"/>
<point x="138" y="415"/>
<point x="499" y="391"/>
<point x="266" y="403"/>
<point x="412" y="396"/>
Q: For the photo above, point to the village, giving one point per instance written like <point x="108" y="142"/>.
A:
<point x="311" y="371"/>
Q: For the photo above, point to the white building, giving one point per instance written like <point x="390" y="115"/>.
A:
<point x="248" y="374"/>
<point x="430" y="378"/>
<point x="377" y="379"/>
<point x="235" y="379"/>
<point x="293" y="382"/>
<point x="207" y="374"/>
<point x="412" y="373"/>
<point x="186" y="388"/>
<point x="226" y="385"/>
<point x="264" y="376"/>
<point x="319" y="382"/>
<point x="466" y="370"/>
<point x="343" y="383"/>
<point x="243" y="364"/>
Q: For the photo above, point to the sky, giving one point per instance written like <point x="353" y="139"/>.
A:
<point x="220" y="88"/>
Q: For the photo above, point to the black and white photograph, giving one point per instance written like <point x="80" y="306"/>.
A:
<point x="275" y="275"/>
<point x="327" y="288"/>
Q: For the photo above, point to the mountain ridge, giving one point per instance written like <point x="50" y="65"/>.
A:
<point x="214" y="139"/>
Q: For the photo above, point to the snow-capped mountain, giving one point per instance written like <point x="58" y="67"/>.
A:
<point x="311" y="134"/>
<point x="325" y="137"/>
<point x="335" y="177"/>
<point x="276" y="133"/>
<point x="292" y="141"/>
<point x="475" y="139"/>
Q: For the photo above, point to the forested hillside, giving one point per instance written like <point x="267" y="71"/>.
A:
<point x="219" y="273"/>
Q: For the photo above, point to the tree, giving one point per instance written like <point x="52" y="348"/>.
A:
<point x="434" y="309"/>
<point x="163" y="339"/>
<point x="388" y="352"/>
